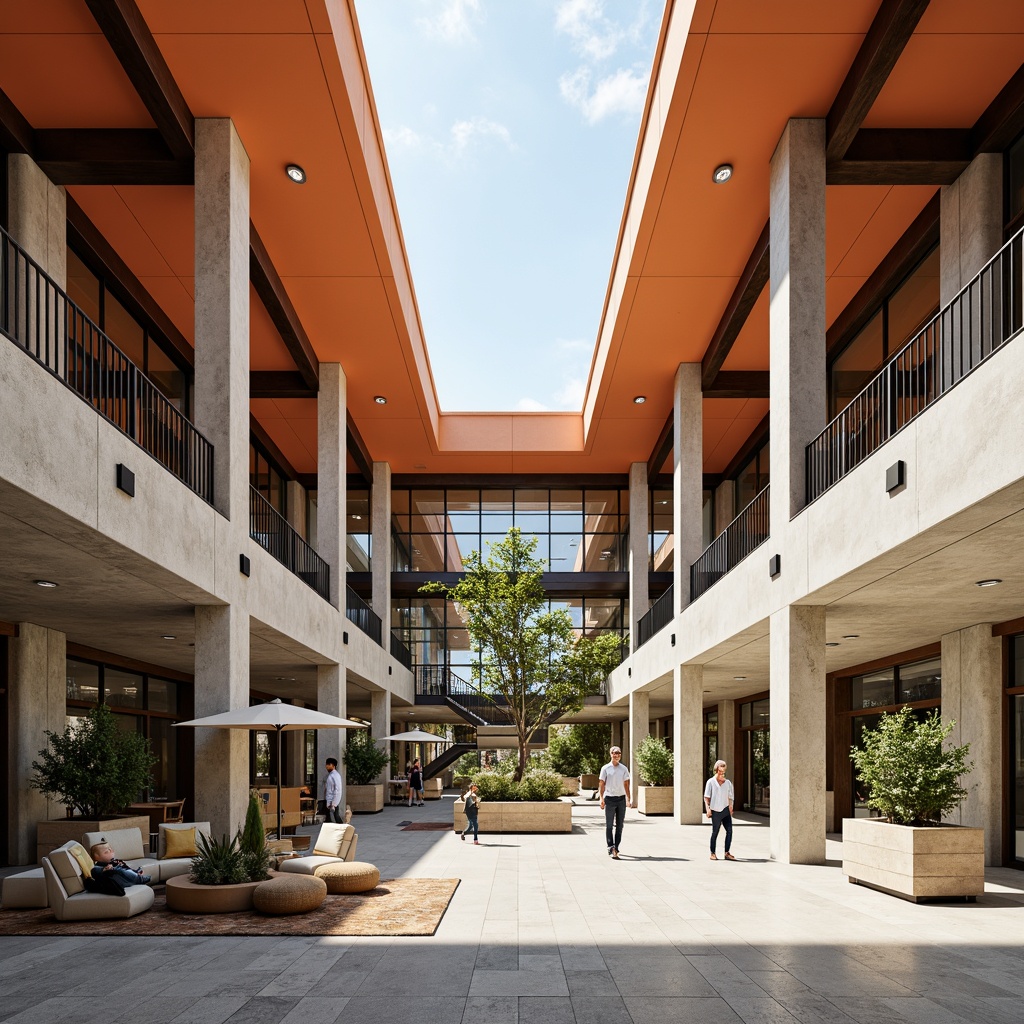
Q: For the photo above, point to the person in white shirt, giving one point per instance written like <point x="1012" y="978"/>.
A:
<point x="332" y="792"/>
<point x="718" y="799"/>
<point x="613" y="787"/>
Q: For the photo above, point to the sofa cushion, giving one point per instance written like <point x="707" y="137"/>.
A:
<point x="306" y="865"/>
<point x="199" y="827"/>
<point x="179" y="842"/>
<point x="125" y="842"/>
<point x="68" y="870"/>
<point x="85" y="862"/>
<point x="333" y="840"/>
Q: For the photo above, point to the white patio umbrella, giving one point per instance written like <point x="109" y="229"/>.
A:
<point x="277" y="717"/>
<point x="417" y="736"/>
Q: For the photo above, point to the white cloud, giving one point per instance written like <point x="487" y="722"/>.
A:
<point x="453" y="23"/>
<point x="463" y="132"/>
<point x="461" y="137"/>
<point x="530" y="405"/>
<point x="402" y="137"/>
<point x="571" y="394"/>
<point x="621" y="93"/>
<point x="593" y="35"/>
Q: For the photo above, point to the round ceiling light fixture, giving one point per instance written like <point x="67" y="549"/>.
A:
<point x="988" y="583"/>
<point x="852" y="636"/>
<point x="168" y="636"/>
<point x="640" y="399"/>
<point x="738" y="678"/>
<point x="296" y="173"/>
<point x="49" y="584"/>
<point x="832" y="643"/>
<point x="380" y="399"/>
<point x="723" y="172"/>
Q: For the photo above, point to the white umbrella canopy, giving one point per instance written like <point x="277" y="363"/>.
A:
<point x="279" y="717"/>
<point x="417" y="736"/>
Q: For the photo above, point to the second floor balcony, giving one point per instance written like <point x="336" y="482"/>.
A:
<point x="276" y="535"/>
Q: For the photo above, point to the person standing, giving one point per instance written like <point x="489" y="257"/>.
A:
<point x="332" y="792"/>
<point x="472" y="811"/>
<point x="416" y="784"/>
<point x="718" y="800"/>
<point x="613" y="787"/>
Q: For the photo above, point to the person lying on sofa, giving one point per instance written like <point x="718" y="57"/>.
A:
<point x="103" y="854"/>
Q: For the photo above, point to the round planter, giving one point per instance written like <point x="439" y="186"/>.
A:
<point x="187" y="897"/>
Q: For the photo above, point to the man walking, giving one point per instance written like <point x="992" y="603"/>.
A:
<point x="718" y="799"/>
<point x="332" y="792"/>
<point x="613" y="787"/>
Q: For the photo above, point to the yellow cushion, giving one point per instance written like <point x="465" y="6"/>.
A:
<point x="179" y="842"/>
<point x="85" y="862"/>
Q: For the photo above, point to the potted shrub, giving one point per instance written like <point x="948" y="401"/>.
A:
<point x="654" y="766"/>
<point x="364" y="761"/>
<point x="95" y="770"/>
<point x="912" y="780"/>
<point x="532" y="805"/>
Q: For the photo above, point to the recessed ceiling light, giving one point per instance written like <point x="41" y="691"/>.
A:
<point x="739" y="677"/>
<point x="852" y="636"/>
<point x="355" y="515"/>
<point x="296" y="173"/>
<point x="640" y="399"/>
<point x="832" y="643"/>
<point x="980" y="583"/>
<point x="169" y="636"/>
<point x="45" y="583"/>
<point x="723" y="172"/>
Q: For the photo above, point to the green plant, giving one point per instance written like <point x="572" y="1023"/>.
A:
<point x="654" y="762"/>
<point x="93" y="767"/>
<point x="540" y="785"/>
<point x="908" y="775"/>
<point x="252" y="842"/>
<point x="493" y="786"/>
<point x="219" y="861"/>
<point x="579" y="749"/>
<point x="364" y="760"/>
<point x="468" y="764"/>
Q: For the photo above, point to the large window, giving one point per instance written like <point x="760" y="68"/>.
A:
<point x="755" y="734"/>
<point x="358" y="532"/>
<point x="752" y="477"/>
<point x="1016" y="779"/>
<point x="266" y="476"/>
<point x="660" y="535"/>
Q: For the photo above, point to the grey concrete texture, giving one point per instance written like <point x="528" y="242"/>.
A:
<point x="549" y="929"/>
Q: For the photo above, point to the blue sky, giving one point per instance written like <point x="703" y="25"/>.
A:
<point x="510" y="128"/>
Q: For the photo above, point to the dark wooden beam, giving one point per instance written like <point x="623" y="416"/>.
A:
<point x="661" y="449"/>
<point x="745" y="294"/>
<point x="884" y="41"/>
<point x="903" y="156"/>
<point x="129" y="37"/>
<point x="1003" y="120"/>
<point x="275" y="299"/>
<point x="278" y="384"/>
<point x="109" y="156"/>
<point x="358" y="450"/>
<point x="16" y="135"/>
<point x="739" y="384"/>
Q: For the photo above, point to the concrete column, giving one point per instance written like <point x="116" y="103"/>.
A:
<point x="970" y="223"/>
<point x="727" y="736"/>
<point x="222" y="310"/>
<point x="222" y="684"/>
<point x="639" y="730"/>
<point x="295" y="503"/>
<point x="798" y="735"/>
<point x="796" y="311"/>
<point x="331" y="465"/>
<point x="331" y="699"/>
<point x="37" y="699"/>
<point x="294" y="763"/>
<point x="972" y="696"/>
<point x="380" y="725"/>
<point x="688" y="479"/>
<point x="725" y="505"/>
<point x="639" y="547"/>
<point x="380" y="543"/>
<point x="688" y="742"/>
<point x="37" y="216"/>
<point x="617" y="735"/>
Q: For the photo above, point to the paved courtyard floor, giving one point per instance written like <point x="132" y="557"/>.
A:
<point x="549" y="929"/>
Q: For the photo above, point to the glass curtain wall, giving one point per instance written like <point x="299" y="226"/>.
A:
<point x="1016" y="753"/>
<point x="660" y="533"/>
<point x="755" y="734"/>
<point x="710" y="742"/>
<point x="358" y="527"/>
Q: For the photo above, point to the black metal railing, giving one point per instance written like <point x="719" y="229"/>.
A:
<point x="985" y="315"/>
<point x="275" y="534"/>
<point x="39" y="317"/>
<point x="746" y="532"/>
<point x="363" y="616"/>
<point x="441" y="681"/>
<point x="400" y="652"/>
<point x="657" y="618"/>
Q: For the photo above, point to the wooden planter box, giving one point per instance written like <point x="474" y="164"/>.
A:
<point x="570" y="785"/>
<point x="652" y="800"/>
<point x="937" y="862"/>
<point x="365" y="799"/>
<point x="518" y="816"/>
<point x="186" y="897"/>
<point x="51" y="834"/>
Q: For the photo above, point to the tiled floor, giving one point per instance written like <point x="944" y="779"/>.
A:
<point x="549" y="929"/>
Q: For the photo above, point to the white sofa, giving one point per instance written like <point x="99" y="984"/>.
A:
<point x="334" y="844"/>
<point x="69" y="901"/>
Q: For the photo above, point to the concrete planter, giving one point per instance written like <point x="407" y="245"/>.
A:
<point x="186" y="897"/>
<point x="589" y="782"/>
<point x="51" y="834"/>
<point x="518" y="816"/>
<point x="916" y="863"/>
<point x="655" y="799"/>
<point x="570" y="785"/>
<point x="365" y="799"/>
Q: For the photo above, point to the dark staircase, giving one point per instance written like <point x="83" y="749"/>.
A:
<point x="446" y="759"/>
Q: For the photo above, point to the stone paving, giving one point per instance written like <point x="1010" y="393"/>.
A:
<point x="549" y="929"/>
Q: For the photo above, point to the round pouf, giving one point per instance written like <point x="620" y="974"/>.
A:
<point x="348" y="876"/>
<point x="289" y="894"/>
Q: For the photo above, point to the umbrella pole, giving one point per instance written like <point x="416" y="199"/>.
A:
<point x="279" y="782"/>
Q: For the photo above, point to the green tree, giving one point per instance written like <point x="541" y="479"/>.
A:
<point x="654" y="761"/>
<point x="364" y="760"/>
<point x="580" y="748"/>
<point x="252" y="841"/>
<point x="530" y="662"/>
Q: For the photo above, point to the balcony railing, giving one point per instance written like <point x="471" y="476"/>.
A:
<point x="40" y="318"/>
<point x="656" y="619"/>
<point x="400" y="652"/>
<point x="983" y="317"/>
<point x="363" y="616"/>
<point x="275" y="534"/>
<point x="746" y="532"/>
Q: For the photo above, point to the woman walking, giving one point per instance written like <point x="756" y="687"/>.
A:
<point x="472" y="814"/>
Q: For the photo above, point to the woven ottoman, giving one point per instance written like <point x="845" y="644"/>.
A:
<point x="289" y="894"/>
<point x="348" y="876"/>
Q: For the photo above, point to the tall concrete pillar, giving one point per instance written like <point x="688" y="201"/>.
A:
<point x="380" y="543"/>
<point x="331" y="466"/>
<point x="37" y="702"/>
<point x="972" y="696"/>
<point x="295" y="505"/>
<point x="380" y="725"/>
<point x="688" y="742"/>
<point x="970" y="223"/>
<point x="617" y="735"/>
<point x="222" y="310"/>
<point x="639" y="547"/>
<point x="331" y="699"/>
<point x="797" y="643"/>
<point x="639" y="730"/>
<point x="37" y="216"/>
<point x="294" y="756"/>
<point x="725" y="505"/>
<point x="687" y="479"/>
<point x="222" y="684"/>
<point x="727" y="736"/>
<point x="796" y="311"/>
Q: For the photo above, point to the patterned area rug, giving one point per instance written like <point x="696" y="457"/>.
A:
<point x="398" y="906"/>
<point x="428" y="826"/>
